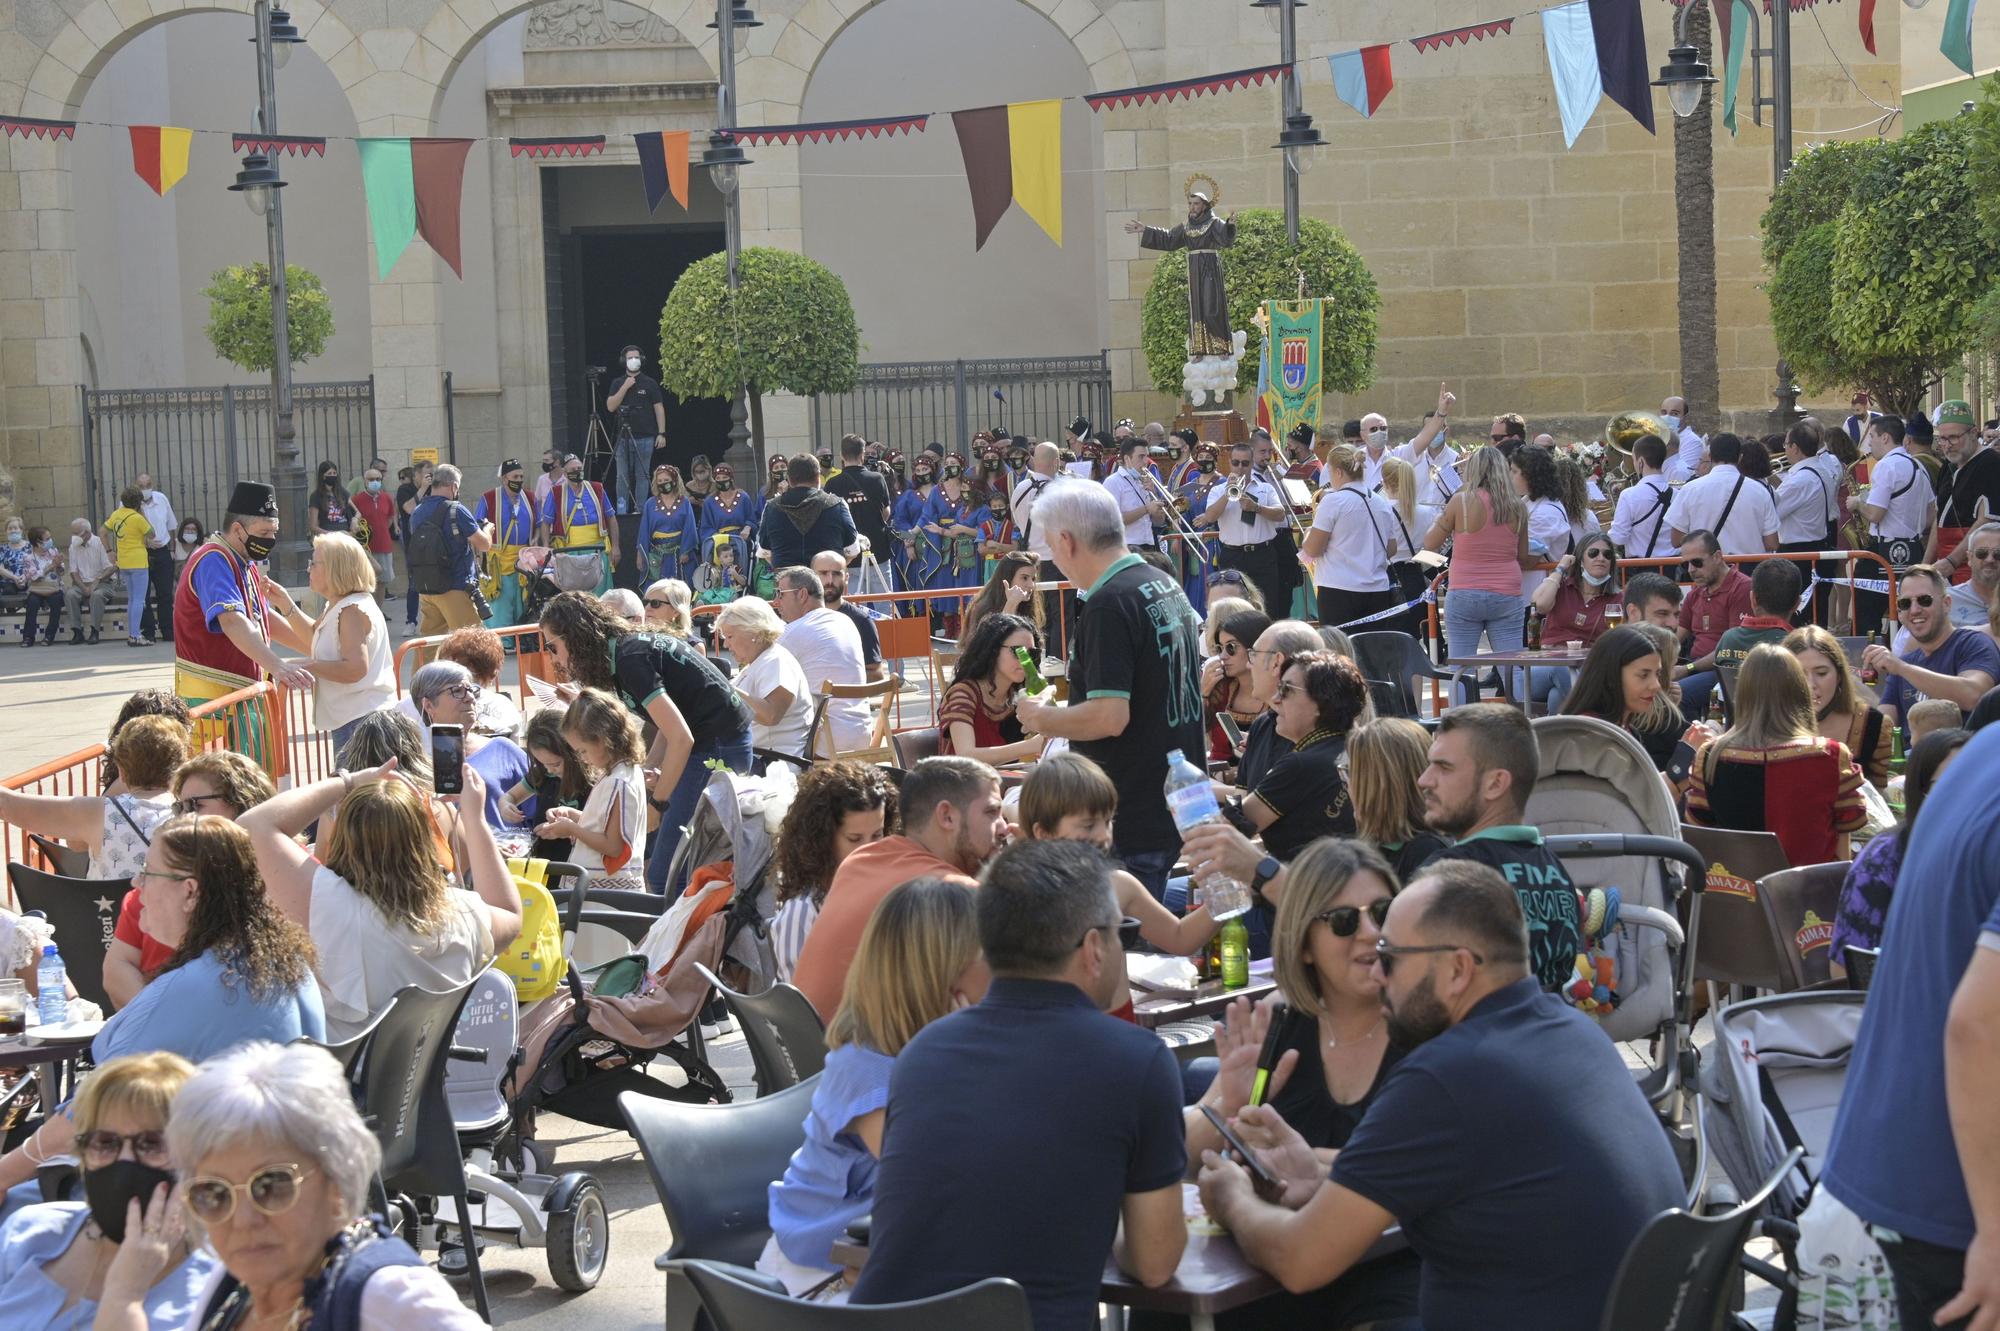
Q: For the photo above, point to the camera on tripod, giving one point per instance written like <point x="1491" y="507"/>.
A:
<point x="594" y="372"/>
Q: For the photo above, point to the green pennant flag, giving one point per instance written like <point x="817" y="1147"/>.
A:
<point x="1956" y="44"/>
<point x="390" y="184"/>
<point x="1734" y="21"/>
<point x="1293" y="395"/>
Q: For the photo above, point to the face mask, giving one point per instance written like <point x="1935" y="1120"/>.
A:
<point x="1597" y="581"/>
<point x="574" y="476"/>
<point x="1378" y="437"/>
<point x="109" y="1189"/>
<point x="15" y="538"/>
<point x="194" y="533"/>
<point x="632" y="364"/>
<point x="331" y="478"/>
<point x="548" y="467"/>
<point x="514" y="483"/>
<point x="259" y="547"/>
<point x="48" y="543"/>
<point x="373" y="486"/>
<point x="1672" y="422"/>
<point x="1205" y="466"/>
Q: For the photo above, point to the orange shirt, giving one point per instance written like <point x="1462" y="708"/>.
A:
<point x="859" y="885"/>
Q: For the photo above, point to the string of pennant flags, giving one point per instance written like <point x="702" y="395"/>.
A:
<point x="1012" y="154"/>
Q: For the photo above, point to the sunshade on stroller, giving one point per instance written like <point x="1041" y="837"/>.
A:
<point x="1599" y="793"/>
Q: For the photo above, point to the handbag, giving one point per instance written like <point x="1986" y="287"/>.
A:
<point x="576" y="571"/>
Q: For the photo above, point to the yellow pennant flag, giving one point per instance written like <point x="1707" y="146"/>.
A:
<point x="1034" y="133"/>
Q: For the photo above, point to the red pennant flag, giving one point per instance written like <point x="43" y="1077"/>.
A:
<point x="160" y="154"/>
<point x="1868" y="25"/>
<point x="437" y="171"/>
<point x="273" y="145"/>
<point x="1466" y="35"/>
<point x="583" y="145"/>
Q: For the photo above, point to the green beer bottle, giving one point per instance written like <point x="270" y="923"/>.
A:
<point x="1034" y="682"/>
<point x="1235" y="946"/>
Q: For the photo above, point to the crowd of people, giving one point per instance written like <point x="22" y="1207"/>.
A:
<point x="963" y="927"/>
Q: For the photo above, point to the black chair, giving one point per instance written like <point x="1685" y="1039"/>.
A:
<point x="786" y="1037"/>
<point x="712" y="1167"/>
<point x="1679" y="1274"/>
<point x="738" y="1300"/>
<point x="1861" y="963"/>
<point x="69" y="861"/>
<point x="1388" y="699"/>
<point x="401" y="1077"/>
<point x="83" y="911"/>
<point x="1400" y="659"/>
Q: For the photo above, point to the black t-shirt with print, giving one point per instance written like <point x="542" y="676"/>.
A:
<point x="1548" y="897"/>
<point x="636" y="412"/>
<point x="646" y="664"/>
<point x="867" y="496"/>
<point x="1137" y="638"/>
<point x="1308" y="792"/>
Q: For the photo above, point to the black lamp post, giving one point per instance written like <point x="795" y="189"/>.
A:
<point x="1299" y="139"/>
<point x="724" y="160"/>
<point x="1685" y="77"/>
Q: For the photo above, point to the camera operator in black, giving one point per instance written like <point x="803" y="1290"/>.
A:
<point x="642" y="423"/>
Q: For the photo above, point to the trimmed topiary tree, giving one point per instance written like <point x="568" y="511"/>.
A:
<point x="1262" y="265"/>
<point x="789" y="328"/>
<point x="239" y="315"/>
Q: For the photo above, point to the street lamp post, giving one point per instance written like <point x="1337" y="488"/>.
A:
<point x="1298" y="139"/>
<point x="725" y="160"/>
<point x="259" y="184"/>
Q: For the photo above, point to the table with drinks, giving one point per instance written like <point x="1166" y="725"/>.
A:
<point x="46" y="1047"/>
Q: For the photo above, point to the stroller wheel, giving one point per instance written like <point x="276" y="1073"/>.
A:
<point x="579" y="1236"/>
<point x="537" y="1158"/>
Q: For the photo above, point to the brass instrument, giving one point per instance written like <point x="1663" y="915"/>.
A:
<point x="1627" y="428"/>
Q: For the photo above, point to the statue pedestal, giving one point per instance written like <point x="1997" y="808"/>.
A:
<point x="1221" y="428"/>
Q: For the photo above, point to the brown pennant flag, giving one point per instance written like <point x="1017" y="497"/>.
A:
<point x="437" y="170"/>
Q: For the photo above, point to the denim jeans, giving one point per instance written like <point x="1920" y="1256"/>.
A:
<point x="735" y="751"/>
<point x="632" y="455"/>
<point x="1469" y="614"/>
<point x="1550" y="686"/>
<point x="1694" y="693"/>
<point x="1150" y="867"/>
<point x="135" y="600"/>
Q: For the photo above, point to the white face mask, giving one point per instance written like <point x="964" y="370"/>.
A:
<point x="1377" y="438"/>
<point x="1597" y="581"/>
<point x="632" y="364"/>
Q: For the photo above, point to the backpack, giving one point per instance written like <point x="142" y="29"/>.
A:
<point x="535" y="961"/>
<point x="428" y="554"/>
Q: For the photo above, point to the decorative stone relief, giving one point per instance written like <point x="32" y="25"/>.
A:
<point x="566" y="24"/>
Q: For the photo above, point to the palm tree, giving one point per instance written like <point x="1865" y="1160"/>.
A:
<point x="1694" y="225"/>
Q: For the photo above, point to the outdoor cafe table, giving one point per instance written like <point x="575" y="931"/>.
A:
<point x="47" y="1058"/>
<point x="1152" y="1007"/>
<point x="1548" y="658"/>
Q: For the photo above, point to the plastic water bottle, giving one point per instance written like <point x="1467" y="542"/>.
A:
<point x="52" y="999"/>
<point x="1192" y="803"/>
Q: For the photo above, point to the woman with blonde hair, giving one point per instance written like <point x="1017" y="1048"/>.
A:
<point x="918" y="959"/>
<point x="350" y="663"/>
<point x="1838" y="708"/>
<point x="670" y="608"/>
<point x="1399" y="487"/>
<point x="1352" y="541"/>
<point x="1773" y="772"/>
<point x="1384" y="759"/>
<point x="769" y="679"/>
<point x="55" y="1256"/>
<point x="379" y="901"/>
<point x="1487" y="525"/>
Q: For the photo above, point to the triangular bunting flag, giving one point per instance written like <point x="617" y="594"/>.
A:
<point x="989" y="166"/>
<point x="1035" y="146"/>
<point x="1189" y="88"/>
<point x="160" y="154"/>
<point x="1620" y="33"/>
<point x="1430" y="41"/>
<point x="821" y="131"/>
<point x="1573" y="65"/>
<point x="390" y="186"/>
<point x="1956" y="44"/>
<point x="34" y="127"/>
<point x="437" y="174"/>
<point x="580" y="145"/>
<point x="272" y="145"/>
<point x="1362" y="78"/>
<point x="663" y="166"/>
<point x="1733" y="23"/>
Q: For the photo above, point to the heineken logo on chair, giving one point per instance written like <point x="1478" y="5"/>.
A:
<point x="1292" y="395"/>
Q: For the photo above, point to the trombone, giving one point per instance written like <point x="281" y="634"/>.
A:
<point x="1152" y="487"/>
<point x="1277" y="483"/>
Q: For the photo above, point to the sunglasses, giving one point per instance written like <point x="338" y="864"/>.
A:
<point x="101" y="1148"/>
<point x="1599" y="553"/>
<point x="1345" y="920"/>
<point x="1228" y="577"/>
<point x="1986" y="556"/>
<point x="1234" y="465"/>
<point x="193" y="803"/>
<point x="1285" y="690"/>
<point x="1233" y="649"/>
<point x="1386" y="954"/>
<point x="657" y="605"/>
<point x="1923" y="602"/>
<point x="273" y="1190"/>
<point x="1127" y="930"/>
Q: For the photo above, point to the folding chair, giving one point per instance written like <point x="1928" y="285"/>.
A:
<point x="908" y="639"/>
<point x="876" y="748"/>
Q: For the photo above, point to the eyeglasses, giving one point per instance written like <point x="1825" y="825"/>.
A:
<point x="1229" y="577"/>
<point x="273" y="1190"/>
<point x="1254" y="652"/>
<point x="1986" y="556"/>
<point x="101" y="1148"/>
<point x="1344" y="920"/>
<point x="1285" y="690"/>
<point x="1234" y="465"/>
<point x="1386" y="953"/>
<point x="1233" y="649"/>
<point x="193" y="803"/>
<point x="155" y="873"/>
<point x="466" y="691"/>
<point x="1697" y="561"/>
<point x="1126" y="930"/>
<point x="1924" y="602"/>
<point x="1599" y="553"/>
<point x="657" y="605"/>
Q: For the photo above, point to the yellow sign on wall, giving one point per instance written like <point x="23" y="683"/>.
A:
<point x="429" y="455"/>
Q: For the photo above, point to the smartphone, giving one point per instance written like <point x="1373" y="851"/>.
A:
<point x="1235" y="1143"/>
<point x="447" y="759"/>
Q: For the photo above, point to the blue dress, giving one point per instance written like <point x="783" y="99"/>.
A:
<point x="739" y="517"/>
<point x="906" y="516"/>
<point x="671" y="539"/>
<point x="949" y="561"/>
<point x="36" y="1235"/>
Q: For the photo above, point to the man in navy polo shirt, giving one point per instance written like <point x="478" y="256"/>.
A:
<point x="1023" y="1131"/>
<point x="1510" y="1143"/>
<point x="1916" y="1148"/>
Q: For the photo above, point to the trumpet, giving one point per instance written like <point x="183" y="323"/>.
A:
<point x="1236" y="488"/>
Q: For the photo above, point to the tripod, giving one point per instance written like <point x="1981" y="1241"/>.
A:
<point x="596" y="452"/>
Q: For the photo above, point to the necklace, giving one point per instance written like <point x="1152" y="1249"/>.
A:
<point x="1372" y="1032"/>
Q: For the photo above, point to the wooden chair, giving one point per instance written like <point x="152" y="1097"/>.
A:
<point x="906" y="639"/>
<point x="877" y="748"/>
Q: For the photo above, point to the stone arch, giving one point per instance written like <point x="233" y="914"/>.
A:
<point x="1089" y="27"/>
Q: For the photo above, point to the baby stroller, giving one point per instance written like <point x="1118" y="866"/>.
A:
<point x="538" y="586"/>
<point x="725" y="571"/>
<point x="1608" y="815"/>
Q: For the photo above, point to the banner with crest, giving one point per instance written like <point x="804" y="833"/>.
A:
<point x="1293" y="339"/>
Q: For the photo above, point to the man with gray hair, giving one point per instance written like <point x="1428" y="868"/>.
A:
<point x="1043" y="464"/>
<point x="1134" y="672"/>
<point x="86" y="577"/>
<point x="444" y="537"/>
<point x="828" y="648"/>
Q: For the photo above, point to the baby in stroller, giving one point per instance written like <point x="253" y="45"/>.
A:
<point x="724" y="575"/>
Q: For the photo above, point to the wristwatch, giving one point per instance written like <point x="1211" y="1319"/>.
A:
<point x="1267" y="868"/>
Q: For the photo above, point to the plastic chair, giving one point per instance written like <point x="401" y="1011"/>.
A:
<point x="913" y="746"/>
<point x="1679" y="1274"/>
<point x="1734" y="942"/>
<point x="1800" y="905"/>
<point x="83" y="912"/>
<point x="712" y="1166"/>
<point x="1861" y="963"/>
<point x="786" y="1037"/>
<point x="876" y="748"/>
<point x="1725" y="679"/>
<point x="737" y="1300"/>
<point x="69" y="861"/>
<point x="403" y="1098"/>
<point x="1400" y="659"/>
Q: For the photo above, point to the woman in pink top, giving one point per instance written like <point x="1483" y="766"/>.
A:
<point x="1487" y="525"/>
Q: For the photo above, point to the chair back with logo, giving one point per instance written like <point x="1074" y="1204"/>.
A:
<point x="1801" y="904"/>
<point x="1735" y="943"/>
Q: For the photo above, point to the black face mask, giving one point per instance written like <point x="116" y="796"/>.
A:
<point x="109" y="1189"/>
<point x="548" y="466"/>
<point x="259" y="547"/>
<point x="575" y="477"/>
<point x="1206" y="466"/>
<point x="514" y="483"/>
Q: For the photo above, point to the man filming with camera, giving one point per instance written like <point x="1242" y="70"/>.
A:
<point x="642" y="423"/>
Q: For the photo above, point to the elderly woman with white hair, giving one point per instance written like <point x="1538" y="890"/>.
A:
<point x="770" y="679"/>
<point x="446" y="694"/>
<point x="624" y="603"/>
<point x="275" y="1164"/>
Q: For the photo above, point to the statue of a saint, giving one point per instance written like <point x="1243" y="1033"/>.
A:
<point x="1204" y="236"/>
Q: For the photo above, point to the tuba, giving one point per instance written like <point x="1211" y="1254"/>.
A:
<point x="1626" y="429"/>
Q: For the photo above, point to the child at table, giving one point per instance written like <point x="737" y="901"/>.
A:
<point x="608" y="835"/>
<point x="1069" y="798"/>
<point x="555" y="781"/>
<point x="918" y="960"/>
